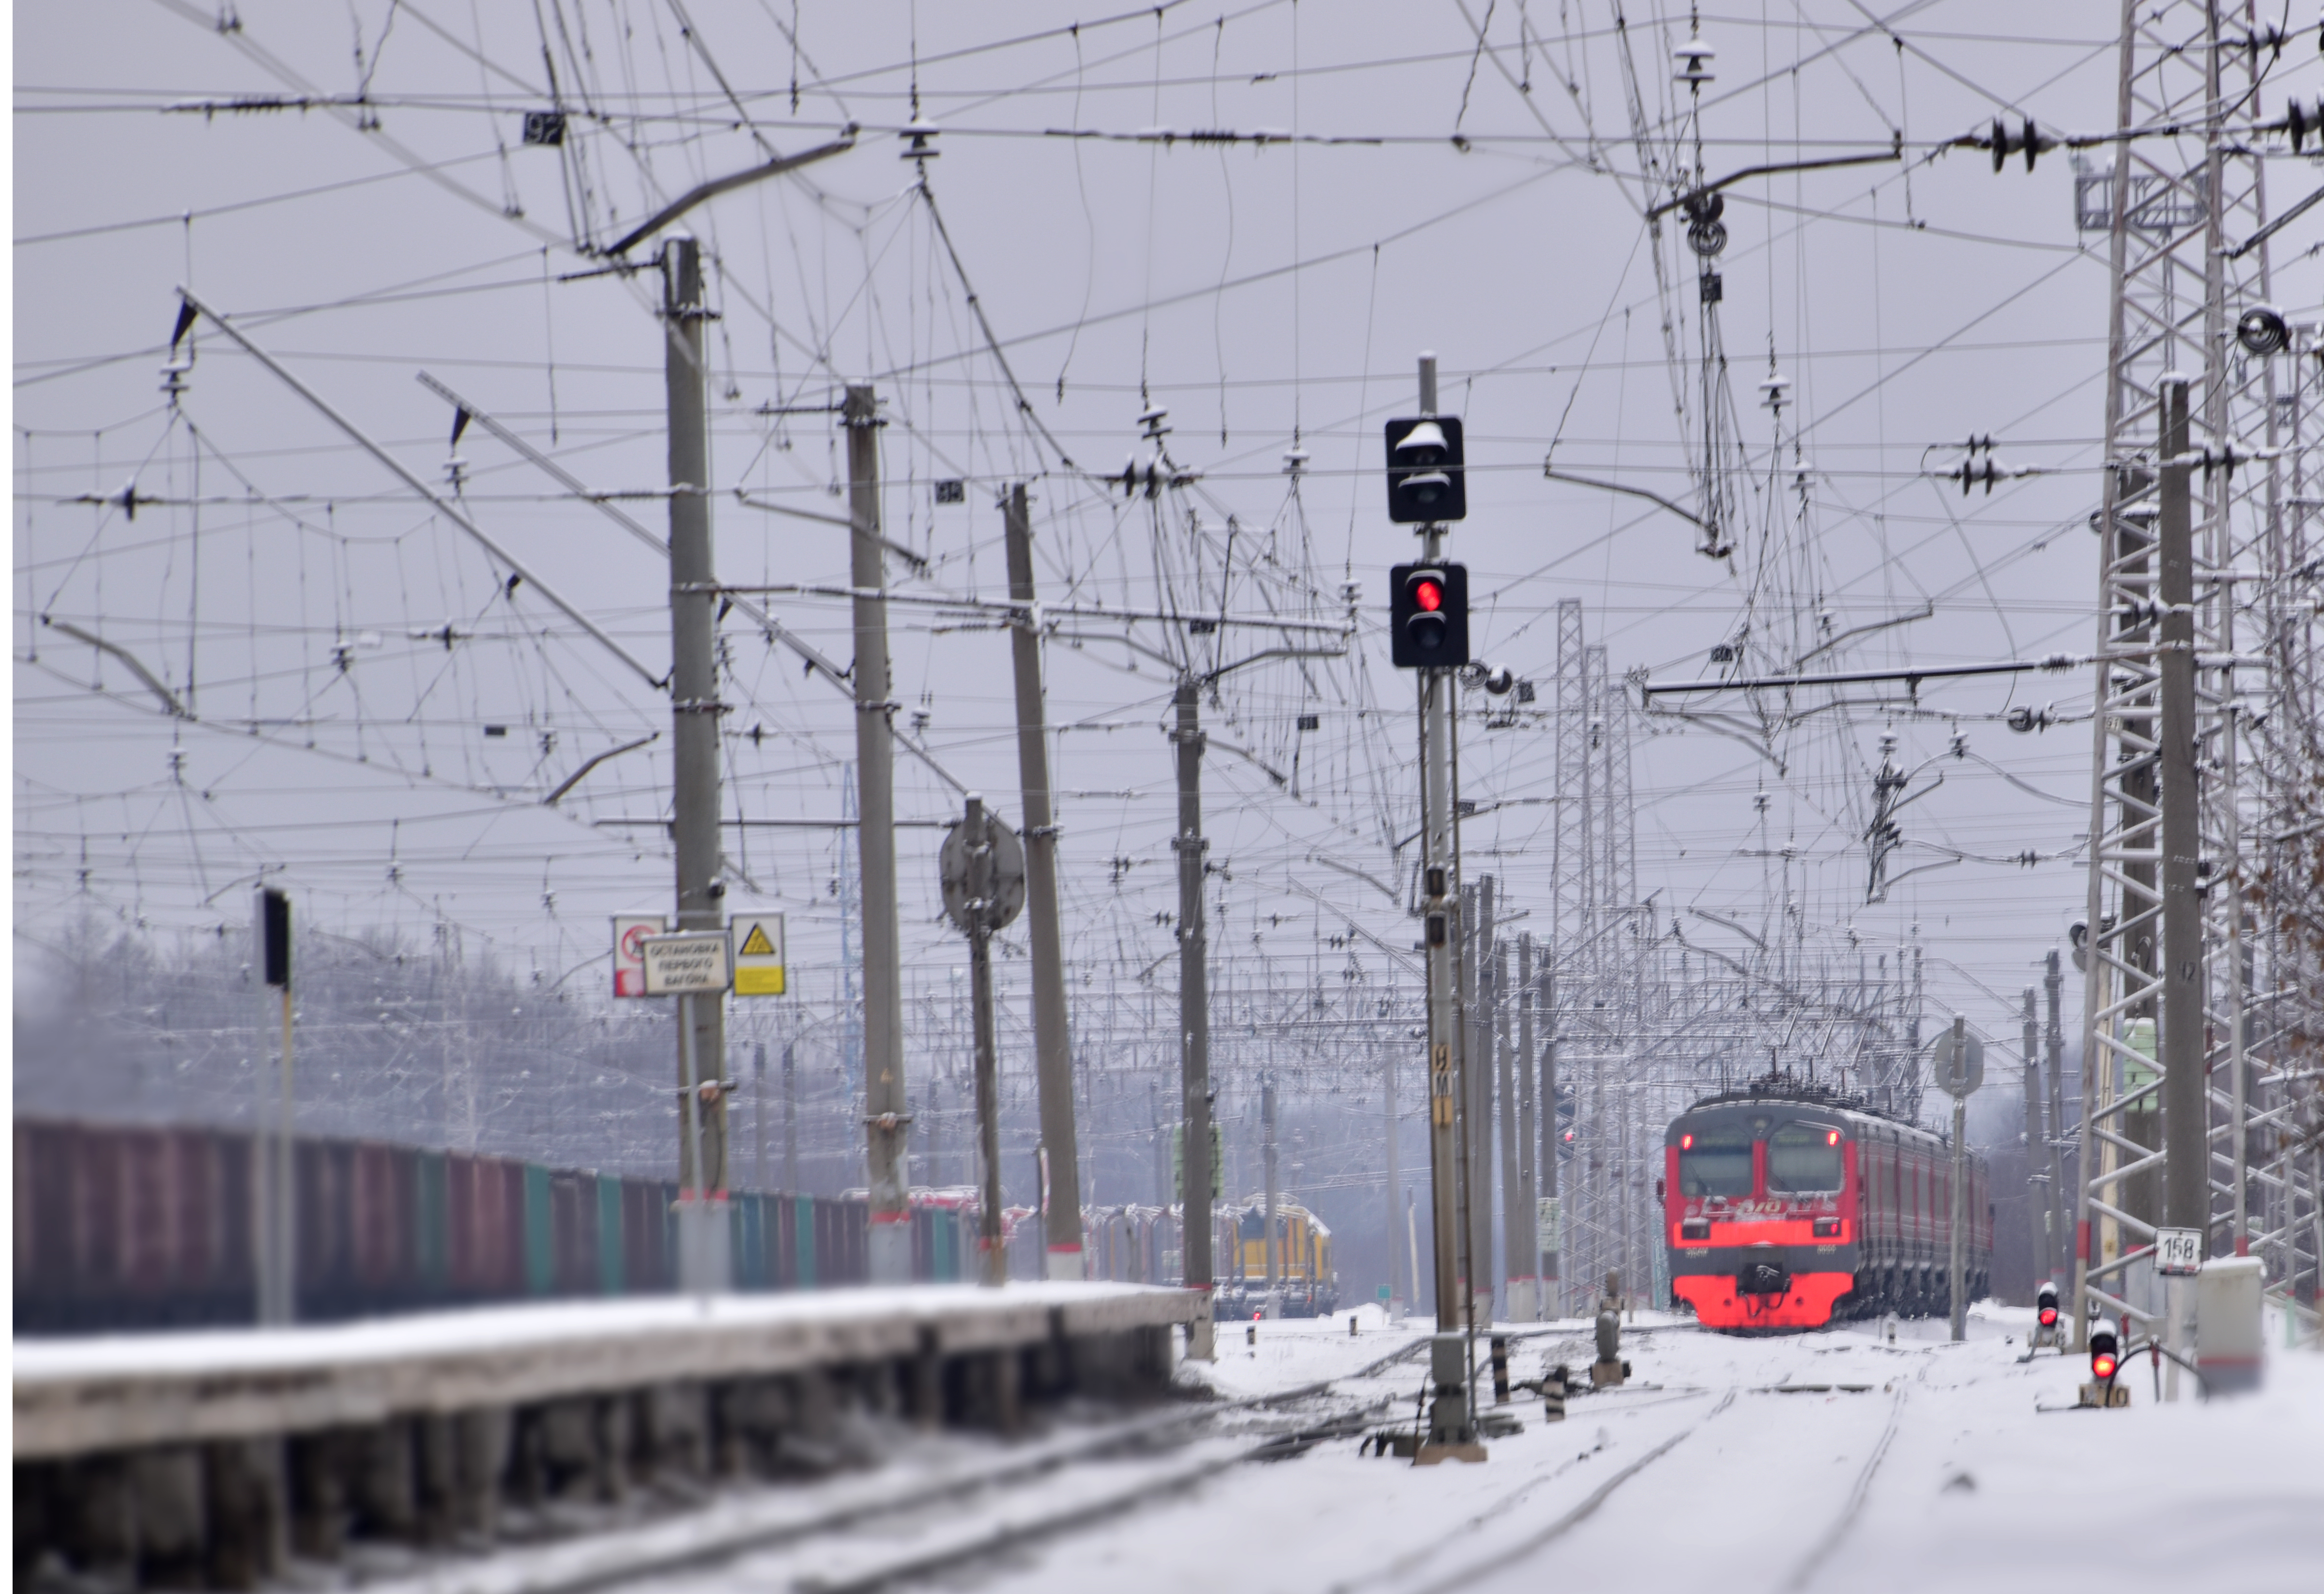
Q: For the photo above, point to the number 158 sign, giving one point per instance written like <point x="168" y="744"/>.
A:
<point x="2178" y="1252"/>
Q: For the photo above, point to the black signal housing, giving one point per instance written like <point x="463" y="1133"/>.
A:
<point x="1428" y="616"/>
<point x="1427" y="476"/>
<point x="2106" y="1357"/>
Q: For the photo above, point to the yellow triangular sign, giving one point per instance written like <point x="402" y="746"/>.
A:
<point x="756" y="945"/>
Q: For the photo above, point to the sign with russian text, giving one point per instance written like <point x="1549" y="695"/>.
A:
<point x="693" y="963"/>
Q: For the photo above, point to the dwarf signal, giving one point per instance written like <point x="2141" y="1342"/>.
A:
<point x="2106" y="1361"/>
<point x="2045" y="1317"/>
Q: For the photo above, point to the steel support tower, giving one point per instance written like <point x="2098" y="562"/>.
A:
<point x="2202" y="739"/>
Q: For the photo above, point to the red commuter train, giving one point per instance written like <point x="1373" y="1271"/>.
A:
<point x="1787" y="1205"/>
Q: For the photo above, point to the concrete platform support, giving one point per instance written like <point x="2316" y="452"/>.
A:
<point x="211" y="1475"/>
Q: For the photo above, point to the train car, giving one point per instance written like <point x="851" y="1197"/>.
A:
<point x="1787" y="1206"/>
<point x="1306" y="1283"/>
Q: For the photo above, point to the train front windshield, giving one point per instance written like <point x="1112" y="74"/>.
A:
<point x="1802" y="1157"/>
<point x="1717" y="1163"/>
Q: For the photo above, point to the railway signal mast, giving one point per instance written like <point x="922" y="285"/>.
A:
<point x="1428" y="609"/>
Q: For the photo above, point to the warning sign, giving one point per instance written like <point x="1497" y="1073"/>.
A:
<point x="759" y="955"/>
<point x="629" y="957"/>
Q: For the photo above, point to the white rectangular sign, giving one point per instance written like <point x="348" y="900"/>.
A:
<point x="1544" y="1223"/>
<point x="757" y="955"/>
<point x="693" y="963"/>
<point x="2179" y="1252"/>
<point x="629" y="958"/>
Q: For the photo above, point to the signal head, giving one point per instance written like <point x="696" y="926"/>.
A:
<point x="1428" y="616"/>
<point x="2106" y="1357"/>
<point x="1426" y="481"/>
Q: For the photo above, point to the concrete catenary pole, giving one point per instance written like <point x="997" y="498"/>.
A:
<point x="2186" y="1118"/>
<point x="1956" y="1289"/>
<point x="1051" y="1039"/>
<point x="1516" y="1268"/>
<point x="791" y="1118"/>
<point x="1267" y="1131"/>
<point x="274" y="1205"/>
<point x="2037" y="1213"/>
<point x="2186" y="1154"/>
<point x="1193" y="1020"/>
<point x="1525" y="1270"/>
<point x="2053" y="1061"/>
<point x="1552" y="1238"/>
<point x="1476" y="975"/>
<point x="703" y="1257"/>
<point x="759" y="1108"/>
<point x="1394" y="1231"/>
<point x="991" y="1250"/>
<point x="885" y="1121"/>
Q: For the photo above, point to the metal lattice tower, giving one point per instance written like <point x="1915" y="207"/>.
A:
<point x="2185" y="211"/>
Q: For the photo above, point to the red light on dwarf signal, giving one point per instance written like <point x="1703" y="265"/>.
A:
<point x="1429" y="595"/>
<point x="2049" y="1317"/>
<point x="2106" y="1355"/>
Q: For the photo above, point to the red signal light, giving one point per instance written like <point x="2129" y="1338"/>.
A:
<point x="2049" y="1317"/>
<point x="1429" y="595"/>
<point x="2105" y="1355"/>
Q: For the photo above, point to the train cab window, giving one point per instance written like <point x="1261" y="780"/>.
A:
<point x="1718" y="1163"/>
<point x="1804" y="1157"/>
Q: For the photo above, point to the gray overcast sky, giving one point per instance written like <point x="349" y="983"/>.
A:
<point x="1485" y="205"/>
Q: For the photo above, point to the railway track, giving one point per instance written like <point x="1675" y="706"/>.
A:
<point x="1439" y="1567"/>
<point x="1805" y="1573"/>
<point x="922" y="1520"/>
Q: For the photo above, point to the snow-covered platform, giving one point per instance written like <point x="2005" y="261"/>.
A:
<point x="119" y="1391"/>
<point x="209" y="1459"/>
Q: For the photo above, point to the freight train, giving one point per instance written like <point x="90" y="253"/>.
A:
<point x="126" y="1227"/>
<point x="1787" y="1206"/>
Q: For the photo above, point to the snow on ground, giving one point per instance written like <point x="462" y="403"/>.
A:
<point x="1830" y="1461"/>
<point x="1975" y="1488"/>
